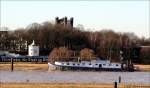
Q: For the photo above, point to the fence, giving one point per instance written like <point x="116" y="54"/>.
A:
<point x="25" y="59"/>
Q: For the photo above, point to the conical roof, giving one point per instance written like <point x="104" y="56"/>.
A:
<point x="33" y="43"/>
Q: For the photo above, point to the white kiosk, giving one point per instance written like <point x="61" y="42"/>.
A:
<point x="33" y="49"/>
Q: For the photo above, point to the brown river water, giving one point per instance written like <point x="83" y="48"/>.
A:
<point x="74" y="77"/>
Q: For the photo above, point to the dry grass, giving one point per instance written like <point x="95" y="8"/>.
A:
<point x="24" y="66"/>
<point x="143" y="67"/>
<point x="66" y="85"/>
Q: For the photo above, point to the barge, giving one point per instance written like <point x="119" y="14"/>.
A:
<point x="98" y="65"/>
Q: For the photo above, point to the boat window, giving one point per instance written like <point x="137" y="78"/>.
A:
<point x="109" y="64"/>
<point x="96" y="64"/>
<point x="73" y="63"/>
<point x="104" y="64"/>
<point x="116" y="64"/>
<point x="78" y="64"/>
<point x="67" y="63"/>
<point x="83" y="63"/>
<point x="89" y="63"/>
<point x="100" y="65"/>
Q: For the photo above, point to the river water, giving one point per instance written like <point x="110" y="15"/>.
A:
<point x="74" y="77"/>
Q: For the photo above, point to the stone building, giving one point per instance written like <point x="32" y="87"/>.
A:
<point x="4" y="45"/>
<point x="64" y="21"/>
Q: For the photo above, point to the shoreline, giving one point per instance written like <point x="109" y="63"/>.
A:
<point x="69" y="85"/>
<point x="44" y="67"/>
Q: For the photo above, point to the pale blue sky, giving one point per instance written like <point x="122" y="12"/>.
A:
<point x="121" y="16"/>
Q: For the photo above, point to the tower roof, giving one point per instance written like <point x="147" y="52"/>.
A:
<point x="33" y="43"/>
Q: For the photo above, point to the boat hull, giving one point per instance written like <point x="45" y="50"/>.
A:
<point x="66" y="68"/>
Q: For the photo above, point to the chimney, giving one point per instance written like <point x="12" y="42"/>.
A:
<point x="71" y="21"/>
<point x="65" y="21"/>
<point x="56" y="20"/>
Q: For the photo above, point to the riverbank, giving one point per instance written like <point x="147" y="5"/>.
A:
<point x="24" y="67"/>
<point x="143" y="67"/>
<point x="44" y="67"/>
<point x="69" y="85"/>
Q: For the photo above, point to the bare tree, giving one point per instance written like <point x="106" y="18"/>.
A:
<point x="87" y="54"/>
<point x="59" y="54"/>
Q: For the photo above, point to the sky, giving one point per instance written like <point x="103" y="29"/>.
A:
<point x="120" y="16"/>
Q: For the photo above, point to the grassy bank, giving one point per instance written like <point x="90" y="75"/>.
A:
<point x="68" y="85"/>
<point x="24" y="66"/>
<point x="44" y="67"/>
<point x="143" y="67"/>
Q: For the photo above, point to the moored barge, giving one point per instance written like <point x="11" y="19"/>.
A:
<point x="97" y="65"/>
